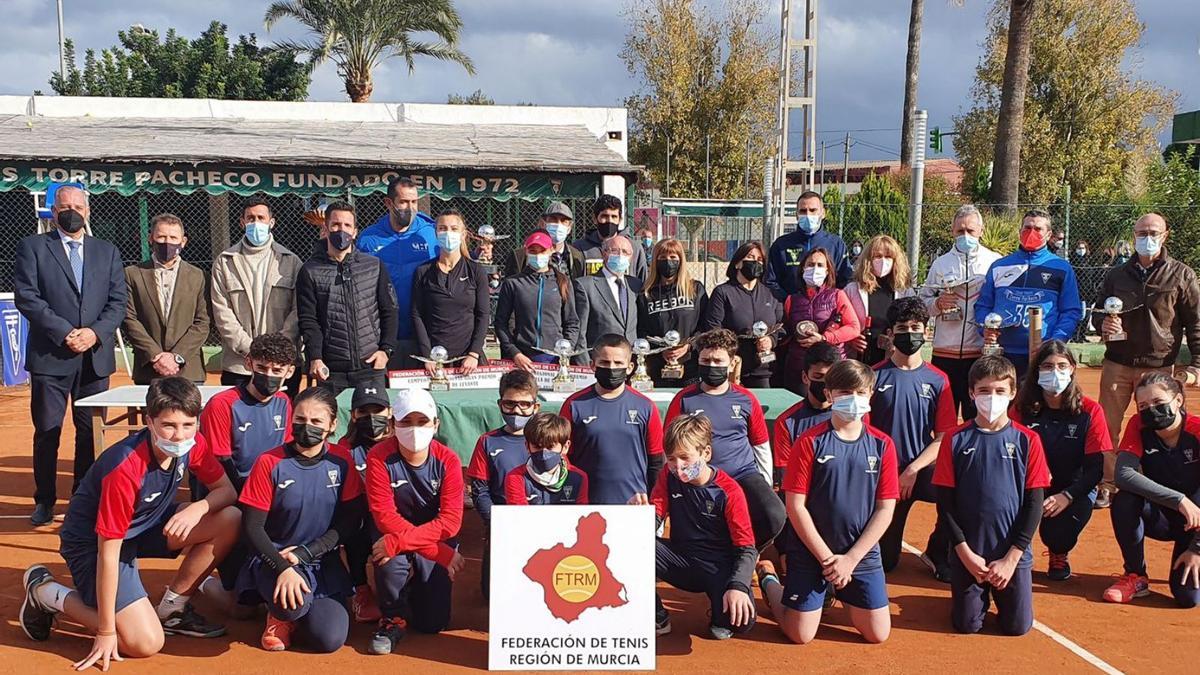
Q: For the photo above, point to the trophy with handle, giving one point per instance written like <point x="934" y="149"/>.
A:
<point x="760" y="330"/>
<point x="439" y="358"/>
<point x="672" y="369"/>
<point x="991" y="345"/>
<point x="564" y="350"/>
<point x="641" y="349"/>
<point x="1113" y="308"/>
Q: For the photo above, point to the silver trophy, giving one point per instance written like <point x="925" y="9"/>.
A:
<point x="438" y="356"/>
<point x="955" y="313"/>
<point x="564" y="350"/>
<point x="760" y="330"/>
<point x="1113" y="307"/>
<point x="672" y="369"/>
<point x="641" y="379"/>
<point x="991" y="346"/>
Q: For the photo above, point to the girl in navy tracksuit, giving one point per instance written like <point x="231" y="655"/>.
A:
<point x="300" y="501"/>
<point x="1074" y="437"/>
<point x="546" y="477"/>
<point x="370" y="423"/>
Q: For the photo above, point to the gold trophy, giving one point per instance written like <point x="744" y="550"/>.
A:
<point x="991" y="347"/>
<point x="641" y="349"/>
<point x="672" y="369"/>
<point x="758" y="331"/>
<point x="564" y="350"/>
<point x="1113" y="307"/>
<point x="955" y="313"/>
<point x="438" y="357"/>
<point x="806" y="328"/>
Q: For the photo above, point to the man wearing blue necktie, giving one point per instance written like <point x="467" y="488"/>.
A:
<point x="71" y="288"/>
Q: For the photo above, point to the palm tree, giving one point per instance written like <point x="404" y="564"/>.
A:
<point x="911" y="71"/>
<point x="1006" y="170"/>
<point x="358" y="35"/>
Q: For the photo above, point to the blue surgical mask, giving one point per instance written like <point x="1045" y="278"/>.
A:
<point x="258" y="233"/>
<point x="517" y="422"/>
<point x="617" y="264"/>
<point x="1147" y="246"/>
<point x="449" y="240"/>
<point x="175" y="448"/>
<point x="852" y="406"/>
<point x="559" y="231"/>
<point x="1054" y="382"/>
<point x="545" y="461"/>
<point x="966" y="243"/>
<point x="538" y="261"/>
<point x="808" y="224"/>
<point x="689" y="472"/>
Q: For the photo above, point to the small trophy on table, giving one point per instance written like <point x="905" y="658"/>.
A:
<point x="641" y="349"/>
<point x="564" y="350"/>
<point x="439" y="358"/>
<point x="760" y="330"/>
<point x="991" y="345"/>
<point x="672" y="369"/>
<point x="1113" y="308"/>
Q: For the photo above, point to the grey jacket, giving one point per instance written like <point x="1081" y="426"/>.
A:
<point x="599" y="313"/>
<point x="232" y="313"/>
<point x="518" y="326"/>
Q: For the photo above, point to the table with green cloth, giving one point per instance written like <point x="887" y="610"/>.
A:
<point x="467" y="414"/>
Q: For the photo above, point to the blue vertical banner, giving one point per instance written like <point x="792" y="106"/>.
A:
<point x="16" y="332"/>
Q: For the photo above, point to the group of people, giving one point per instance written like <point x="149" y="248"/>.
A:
<point x="292" y="520"/>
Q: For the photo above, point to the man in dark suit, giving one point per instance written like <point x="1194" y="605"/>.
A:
<point x="606" y="301"/>
<point x="70" y="287"/>
<point x="166" y="319"/>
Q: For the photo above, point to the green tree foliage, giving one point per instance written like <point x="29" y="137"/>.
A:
<point x="359" y="35"/>
<point x="208" y="67"/>
<point x="1088" y="121"/>
<point x="476" y="97"/>
<point x="702" y="77"/>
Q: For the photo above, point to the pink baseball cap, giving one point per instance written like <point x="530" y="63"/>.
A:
<point x="541" y="238"/>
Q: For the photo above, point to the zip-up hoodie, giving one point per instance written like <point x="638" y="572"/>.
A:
<point x="402" y="253"/>
<point x="530" y="313"/>
<point x="957" y="339"/>
<point x="1023" y="279"/>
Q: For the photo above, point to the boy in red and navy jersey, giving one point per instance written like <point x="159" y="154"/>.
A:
<point x="711" y="545"/>
<point x="415" y="492"/>
<point x="301" y="501"/>
<point x="914" y="406"/>
<point x="807" y="413"/>
<point x="1158" y="472"/>
<point x="991" y="476"/>
<point x="616" y="433"/>
<point x="546" y="477"/>
<point x="125" y="509"/>
<point x="498" y="452"/>
<point x="740" y="444"/>
<point x="841" y="490"/>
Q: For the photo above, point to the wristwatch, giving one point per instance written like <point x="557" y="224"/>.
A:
<point x="179" y="360"/>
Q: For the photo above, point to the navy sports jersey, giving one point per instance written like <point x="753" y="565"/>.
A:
<point x="418" y="508"/>
<point x="300" y="500"/>
<point x="737" y="423"/>
<point x="611" y="440"/>
<point x="1176" y="468"/>
<point x="358" y="455"/>
<point x="496" y="454"/>
<point x="707" y="521"/>
<point x="126" y="493"/>
<point x="991" y="470"/>
<point x="521" y="488"/>
<point x="911" y="406"/>
<point x="842" y="480"/>
<point x="241" y="427"/>
<point x="1066" y="439"/>
<point x="791" y="425"/>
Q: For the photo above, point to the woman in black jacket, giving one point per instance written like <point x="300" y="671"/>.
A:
<point x="536" y="308"/>
<point x="671" y="301"/>
<point x="740" y="303"/>
<point x="450" y="304"/>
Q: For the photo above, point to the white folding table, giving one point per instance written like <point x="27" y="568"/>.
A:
<point x="132" y="398"/>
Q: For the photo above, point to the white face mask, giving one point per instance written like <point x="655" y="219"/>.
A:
<point x="414" y="439"/>
<point x="852" y="407"/>
<point x="992" y="406"/>
<point x="175" y="448"/>
<point x="814" y="276"/>
<point x="1147" y="246"/>
<point x="1054" y="382"/>
<point x="882" y="266"/>
<point x="559" y="231"/>
<point x="538" y="261"/>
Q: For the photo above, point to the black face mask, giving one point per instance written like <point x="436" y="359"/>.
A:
<point x="713" y="376"/>
<point x="1158" y="417"/>
<point x="165" y="251"/>
<point x="341" y="240"/>
<point x="265" y="384"/>
<point x="611" y="378"/>
<point x="908" y="343"/>
<point x="607" y="230"/>
<point x="307" y="436"/>
<point x="402" y="218"/>
<point x="70" y="221"/>
<point x="752" y="269"/>
<point x="666" y="268"/>
<point x="372" y="426"/>
<point x="817" y="391"/>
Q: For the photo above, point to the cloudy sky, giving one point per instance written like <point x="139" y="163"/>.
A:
<point x="566" y="52"/>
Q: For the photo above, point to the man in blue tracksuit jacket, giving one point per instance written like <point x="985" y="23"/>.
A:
<point x="788" y="251"/>
<point x="1030" y="276"/>
<point x="403" y="239"/>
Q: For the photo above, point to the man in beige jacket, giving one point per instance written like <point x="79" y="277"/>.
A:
<point x="254" y="293"/>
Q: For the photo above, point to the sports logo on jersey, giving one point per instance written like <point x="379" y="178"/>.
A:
<point x="179" y="471"/>
<point x="968" y="451"/>
<point x="632" y="417"/>
<point x="371" y="390"/>
<point x="1034" y="425"/>
<point x="360" y="467"/>
<point x="871" y="464"/>
<point x="567" y="490"/>
<point x="825" y="458"/>
<point x="926" y="390"/>
<point x="278" y="422"/>
<point x="1010" y="450"/>
<point x="709" y="505"/>
<point x="1189" y="455"/>
<point x="495" y="452"/>
<point x="284" y="485"/>
<point x="399" y="483"/>
<point x="737" y="411"/>
<point x="676" y="495"/>
<point x="245" y="426"/>
<point x="152" y="497"/>
<point x="435" y="483"/>
<point x="530" y="498"/>
<point x="884" y="388"/>
<point x="334" y="475"/>
<point x="1150" y="450"/>
<point x="589" y="419"/>
<point x="1071" y="428"/>
<point x="1045" y="277"/>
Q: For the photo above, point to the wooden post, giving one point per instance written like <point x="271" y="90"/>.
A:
<point x="1035" y="333"/>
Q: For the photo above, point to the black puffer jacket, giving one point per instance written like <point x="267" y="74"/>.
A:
<point x="347" y="310"/>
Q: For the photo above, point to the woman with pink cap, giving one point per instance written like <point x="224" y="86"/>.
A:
<point x="536" y="307"/>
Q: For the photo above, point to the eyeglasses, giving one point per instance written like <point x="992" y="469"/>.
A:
<point x="1062" y="367"/>
<point x="513" y="406"/>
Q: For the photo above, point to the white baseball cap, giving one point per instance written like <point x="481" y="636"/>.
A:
<point x="414" y="400"/>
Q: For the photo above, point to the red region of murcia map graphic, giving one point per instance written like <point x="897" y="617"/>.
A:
<point x="577" y="578"/>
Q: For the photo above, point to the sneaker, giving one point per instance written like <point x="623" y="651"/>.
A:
<point x="1127" y="587"/>
<point x="36" y="620"/>
<point x="42" y="515"/>
<point x="1103" y="498"/>
<point x="720" y="633"/>
<point x="389" y="633"/>
<point x="189" y="622"/>
<point x="1060" y="567"/>
<point x="366" y="609"/>
<point x="662" y="622"/>
<point x="277" y="636"/>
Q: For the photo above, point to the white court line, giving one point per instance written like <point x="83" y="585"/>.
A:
<point x="1100" y="664"/>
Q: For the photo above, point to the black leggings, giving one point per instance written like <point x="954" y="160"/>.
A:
<point x="767" y="513"/>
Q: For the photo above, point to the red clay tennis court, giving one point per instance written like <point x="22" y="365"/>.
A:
<point x="1075" y="630"/>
